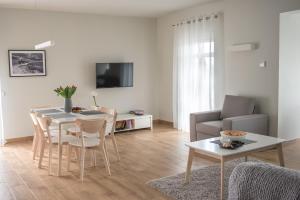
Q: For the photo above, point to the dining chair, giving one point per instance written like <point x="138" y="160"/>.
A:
<point x="109" y="131"/>
<point x="84" y="142"/>
<point x="49" y="136"/>
<point x="35" y="143"/>
<point x="36" y="139"/>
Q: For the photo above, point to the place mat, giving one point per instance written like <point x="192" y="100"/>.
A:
<point x="47" y="111"/>
<point x="244" y="140"/>
<point x="61" y="115"/>
<point x="92" y="112"/>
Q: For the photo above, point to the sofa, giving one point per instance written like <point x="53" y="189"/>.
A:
<point x="238" y="113"/>
<point x="262" y="181"/>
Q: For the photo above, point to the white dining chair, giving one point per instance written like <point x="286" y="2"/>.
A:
<point x="50" y="137"/>
<point x="35" y="142"/>
<point x="85" y="142"/>
<point x="109" y="131"/>
<point x="36" y="139"/>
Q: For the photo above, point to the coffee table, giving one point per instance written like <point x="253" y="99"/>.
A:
<point x="207" y="148"/>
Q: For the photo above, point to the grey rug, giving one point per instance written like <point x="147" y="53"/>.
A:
<point x="204" y="185"/>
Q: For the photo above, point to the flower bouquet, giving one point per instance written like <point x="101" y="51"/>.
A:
<point x="66" y="93"/>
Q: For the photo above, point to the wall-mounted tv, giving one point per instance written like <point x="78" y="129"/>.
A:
<point x="110" y="75"/>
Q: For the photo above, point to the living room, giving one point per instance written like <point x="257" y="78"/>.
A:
<point x="249" y="46"/>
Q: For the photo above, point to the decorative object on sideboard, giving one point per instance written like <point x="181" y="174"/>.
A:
<point x="137" y="112"/>
<point x="94" y="94"/>
<point x="66" y="93"/>
<point x="24" y="63"/>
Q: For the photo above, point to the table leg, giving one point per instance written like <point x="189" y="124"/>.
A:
<point x="222" y="179"/>
<point x="246" y="158"/>
<point x="59" y="151"/>
<point x="280" y="154"/>
<point x="189" y="165"/>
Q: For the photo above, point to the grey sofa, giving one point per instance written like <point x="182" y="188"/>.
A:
<point x="237" y="114"/>
<point x="261" y="181"/>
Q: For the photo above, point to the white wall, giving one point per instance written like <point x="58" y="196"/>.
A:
<point x="81" y="41"/>
<point x="289" y="73"/>
<point x="244" y="21"/>
<point x="255" y="21"/>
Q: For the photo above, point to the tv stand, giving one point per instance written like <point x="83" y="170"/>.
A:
<point x="128" y="122"/>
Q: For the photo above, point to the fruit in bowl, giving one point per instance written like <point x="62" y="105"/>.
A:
<point x="233" y="135"/>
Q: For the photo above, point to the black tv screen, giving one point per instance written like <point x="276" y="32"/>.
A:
<point x="109" y="75"/>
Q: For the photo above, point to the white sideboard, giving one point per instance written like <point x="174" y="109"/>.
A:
<point x="136" y="122"/>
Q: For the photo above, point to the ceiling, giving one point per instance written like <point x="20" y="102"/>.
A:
<point x="141" y="8"/>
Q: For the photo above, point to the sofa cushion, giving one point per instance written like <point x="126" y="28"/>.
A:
<point x="211" y="127"/>
<point x="236" y="106"/>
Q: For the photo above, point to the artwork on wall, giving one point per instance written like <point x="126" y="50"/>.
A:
<point x="27" y="63"/>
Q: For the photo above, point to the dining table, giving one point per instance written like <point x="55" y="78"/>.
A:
<point x="61" y="118"/>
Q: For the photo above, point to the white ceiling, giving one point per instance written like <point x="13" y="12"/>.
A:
<point x="143" y="8"/>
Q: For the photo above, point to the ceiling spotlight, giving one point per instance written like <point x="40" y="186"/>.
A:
<point x="44" y="45"/>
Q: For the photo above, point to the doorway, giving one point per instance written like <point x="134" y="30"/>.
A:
<point x="289" y="76"/>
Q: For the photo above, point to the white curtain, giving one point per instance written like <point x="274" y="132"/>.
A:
<point x="197" y="68"/>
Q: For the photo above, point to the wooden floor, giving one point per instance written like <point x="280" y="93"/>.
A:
<point x="145" y="155"/>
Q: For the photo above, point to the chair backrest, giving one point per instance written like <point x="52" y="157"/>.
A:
<point x="44" y="123"/>
<point x="35" y="122"/>
<point x="113" y="112"/>
<point x="237" y="106"/>
<point x="92" y="126"/>
<point x="34" y="119"/>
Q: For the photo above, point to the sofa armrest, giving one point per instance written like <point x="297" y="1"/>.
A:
<point x="256" y="123"/>
<point x="201" y="117"/>
<point x="255" y="180"/>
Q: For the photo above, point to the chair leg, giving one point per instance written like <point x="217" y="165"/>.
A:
<point x="107" y="156"/>
<point x="115" y="146"/>
<point x="92" y="157"/>
<point x="95" y="158"/>
<point x="78" y="151"/>
<point x="42" y="149"/>
<point x="69" y="157"/>
<point x="106" y="161"/>
<point x="82" y="157"/>
<point x="34" y="141"/>
<point x="35" y="145"/>
<point x="50" y="159"/>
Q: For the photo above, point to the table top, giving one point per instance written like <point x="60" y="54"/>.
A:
<point x="58" y="115"/>
<point x="261" y="141"/>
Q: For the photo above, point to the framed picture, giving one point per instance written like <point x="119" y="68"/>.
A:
<point x="27" y="63"/>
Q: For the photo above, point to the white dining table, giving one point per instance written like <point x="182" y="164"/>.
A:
<point x="59" y="117"/>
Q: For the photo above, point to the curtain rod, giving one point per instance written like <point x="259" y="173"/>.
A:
<point x="196" y="20"/>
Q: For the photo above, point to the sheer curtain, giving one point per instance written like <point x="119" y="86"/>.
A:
<point x="197" y="67"/>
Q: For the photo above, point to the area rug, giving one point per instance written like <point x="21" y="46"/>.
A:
<point x="204" y="185"/>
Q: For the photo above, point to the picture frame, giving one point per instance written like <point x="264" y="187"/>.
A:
<point x="27" y="63"/>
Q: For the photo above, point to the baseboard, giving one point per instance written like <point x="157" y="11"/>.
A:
<point x="19" y="139"/>
<point x="164" y="122"/>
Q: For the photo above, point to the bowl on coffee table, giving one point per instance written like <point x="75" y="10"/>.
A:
<point x="233" y="135"/>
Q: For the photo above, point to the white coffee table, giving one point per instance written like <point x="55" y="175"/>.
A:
<point x="207" y="148"/>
